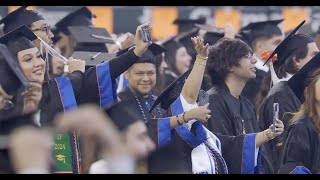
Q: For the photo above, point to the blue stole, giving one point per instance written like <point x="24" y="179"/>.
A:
<point x="300" y="170"/>
<point x="107" y="90"/>
<point x="66" y="145"/>
<point x="124" y="83"/>
<point x="248" y="157"/>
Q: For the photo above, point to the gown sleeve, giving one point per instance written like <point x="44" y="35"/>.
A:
<point x="298" y="151"/>
<point x="240" y="153"/>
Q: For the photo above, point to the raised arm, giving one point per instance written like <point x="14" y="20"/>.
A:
<point x="192" y="85"/>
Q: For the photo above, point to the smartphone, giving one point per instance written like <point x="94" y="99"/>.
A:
<point x="146" y="34"/>
<point x="275" y="115"/>
<point x="203" y="98"/>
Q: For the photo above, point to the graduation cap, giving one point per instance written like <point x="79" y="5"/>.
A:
<point x="18" y="39"/>
<point x="93" y="58"/>
<point x="12" y="76"/>
<point x="301" y="79"/>
<point x="289" y="44"/>
<point x="149" y="56"/>
<point x="171" y="93"/>
<point x="213" y="34"/>
<point x="122" y="115"/>
<point x="185" y="39"/>
<point x="20" y="16"/>
<point x="80" y="17"/>
<point x="186" y="25"/>
<point x="260" y="29"/>
<point x="90" y="38"/>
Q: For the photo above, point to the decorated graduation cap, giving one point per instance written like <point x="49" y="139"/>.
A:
<point x="290" y="43"/>
<point x="18" y="39"/>
<point x="20" y="16"/>
<point x="213" y="34"/>
<point x="122" y="115"/>
<point x="90" y="38"/>
<point x="80" y="17"/>
<point x="185" y="25"/>
<point x="302" y="78"/>
<point x="260" y="29"/>
<point x="171" y="93"/>
<point x="12" y="76"/>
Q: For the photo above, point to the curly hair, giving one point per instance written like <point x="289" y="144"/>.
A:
<point x="225" y="54"/>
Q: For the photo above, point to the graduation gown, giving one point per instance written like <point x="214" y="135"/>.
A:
<point x="252" y="87"/>
<point x="146" y="103"/>
<point x="288" y="102"/>
<point x="233" y="117"/>
<point x="301" y="154"/>
<point x="238" y="151"/>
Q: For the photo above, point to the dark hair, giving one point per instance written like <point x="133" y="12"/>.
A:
<point x="225" y="54"/>
<point x="160" y="79"/>
<point x="170" y="56"/>
<point x="263" y="33"/>
<point x="289" y="65"/>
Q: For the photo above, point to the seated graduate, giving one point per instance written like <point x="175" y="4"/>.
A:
<point x="292" y="54"/>
<point x="301" y="149"/>
<point x="262" y="36"/>
<point x="19" y="99"/>
<point x="200" y="150"/>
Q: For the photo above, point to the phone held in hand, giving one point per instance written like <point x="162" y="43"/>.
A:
<point x="146" y="34"/>
<point x="275" y="114"/>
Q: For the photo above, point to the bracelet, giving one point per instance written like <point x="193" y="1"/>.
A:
<point x="184" y="120"/>
<point x="177" y="116"/>
<point x="201" y="57"/>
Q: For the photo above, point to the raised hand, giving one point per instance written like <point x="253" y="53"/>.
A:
<point x="32" y="97"/>
<point x="76" y="65"/>
<point x="141" y="46"/>
<point x="229" y="31"/>
<point x="201" y="49"/>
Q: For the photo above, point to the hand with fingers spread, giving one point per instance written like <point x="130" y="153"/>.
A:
<point x="141" y="46"/>
<point x="76" y="65"/>
<point x="202" y="50"/>
<point x="229" y="31"/>
<point x="32" y="97"/>
<point x="201" y="113"/>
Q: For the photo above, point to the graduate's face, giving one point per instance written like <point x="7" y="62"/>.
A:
<point x="42" y="30"/>
<point x="267" y="45"/>
<point x="142" y="78"/>
<point x="183" y="60"/>
<point x="32" y="64"/>
<point x="138" y="140"/>
<point x="163" y="65"/>
<point x="312" y="51"/>
<point x="246" y="69"/>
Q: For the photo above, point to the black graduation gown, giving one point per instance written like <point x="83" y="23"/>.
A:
<point x="233" y="117"/>
<point x="85" y="87"/>
<point x="252" y="87"/>
<point x="146" y="103"/>
<point x="235" y="149"/>
<point x="301" y="154"/>
<point x="169" y="77"/>
<point x="288" y="102"/>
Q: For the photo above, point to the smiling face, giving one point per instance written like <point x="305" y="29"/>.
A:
<point x="183" y="60"/>
<point x="41" y="29"/>
<point x="142" y="78"/>
<point x="246" y="69"/>
<point x="32" y="64"/>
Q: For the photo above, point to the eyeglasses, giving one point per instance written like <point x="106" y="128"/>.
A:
<point x="44" y="29"/>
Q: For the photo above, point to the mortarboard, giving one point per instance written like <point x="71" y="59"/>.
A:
<point x="171" y="93"/>
<point x="12" y="76"/>
<point x="93" y="58"/>
<point x="80" y="17"/>
<point x="122" y="115"/>
<point x="256" y="30"/>
<point x="186" y="25"/>
<point x="185" y="39"/>
<point x="213" y="34"/>
<point x="289" y="44"/>
<point x="20" y="16"/>
<point x="90" y="38"/>
<point x="18" y="39"/>
<point x="301" y="79"/>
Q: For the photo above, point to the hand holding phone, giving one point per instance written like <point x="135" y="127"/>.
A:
<point x="146" y="33"/>
<point x="275" y="115"/>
